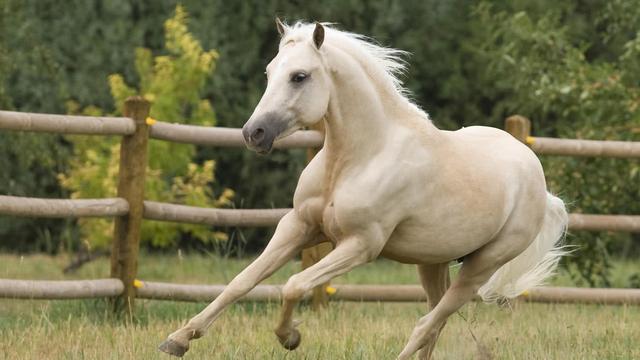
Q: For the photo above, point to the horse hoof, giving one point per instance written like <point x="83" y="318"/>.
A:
<point x="291" y="342"/>
<point x="173" y="348"/>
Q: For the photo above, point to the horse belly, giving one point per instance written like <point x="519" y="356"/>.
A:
<point x="434" y="242"/>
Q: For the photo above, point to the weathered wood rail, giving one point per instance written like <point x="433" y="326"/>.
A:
<point x="590" y="222"/>
<point x="85" y="289"/>
<point x="60" y="289"/>
<point x="587" y="148"/>
<point x="391" y="293"/>
<point x="75" y="208"/>
<point x="215" y="217"/>
<point x="62" y="208"/>
<point x="66" y="124"/>
<point x="227" y="137"/>
<point x="520" y="128"/>
<point x="130" y="208"/>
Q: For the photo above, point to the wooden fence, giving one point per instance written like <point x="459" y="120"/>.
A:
<point x="130" y="208"/>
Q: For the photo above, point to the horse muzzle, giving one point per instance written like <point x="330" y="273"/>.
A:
<point x="260" y="133"/>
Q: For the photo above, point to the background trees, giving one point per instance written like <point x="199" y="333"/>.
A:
<point x="572" y="67"/>
<point x="173" y="83"/>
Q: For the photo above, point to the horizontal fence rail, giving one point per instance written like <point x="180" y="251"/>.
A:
<point x="62" y="289"/>
<point x="271" y="217"/>
<point x="77" y="289"/>
<point x="589" y="222"/>
<point x="386" y="293"/>
<point x="415" y="293"/>
<point x="228" y="137"/>
<point x="202" y="293"/>
<point x="62" y="208"/>
<point x="211" y="216"/>
<point x="609" y="296"/>
<point x="111" y="207"/>
<point x="66" y="124"/>
<point x="592" y="148"/>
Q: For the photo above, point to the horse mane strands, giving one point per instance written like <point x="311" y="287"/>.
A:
<point x="388" y="64"/>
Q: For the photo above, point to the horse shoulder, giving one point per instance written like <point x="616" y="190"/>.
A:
<point x="377" y="194"/>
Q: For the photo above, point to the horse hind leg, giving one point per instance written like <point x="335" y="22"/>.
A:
<point x="435" y="280"/>
<point x="476" y="270"/>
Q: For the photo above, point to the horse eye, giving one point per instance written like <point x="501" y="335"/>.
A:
<point x="298" y="77"/>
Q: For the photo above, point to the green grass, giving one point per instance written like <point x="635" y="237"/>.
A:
<point x="84" y="329"/>
<point x="212" y="269"/>
<point x="192" y="269"/>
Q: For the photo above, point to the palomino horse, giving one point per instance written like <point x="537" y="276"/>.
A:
<point x="389" y="183"/>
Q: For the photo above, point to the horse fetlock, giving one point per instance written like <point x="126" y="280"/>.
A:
<point x="196" y="334"/>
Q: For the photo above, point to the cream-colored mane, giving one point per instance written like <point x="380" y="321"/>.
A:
<point x="383" y="65"/>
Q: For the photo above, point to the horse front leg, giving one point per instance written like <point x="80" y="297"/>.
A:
<point x="291" y="235"/>
<point x="348" y="254"/>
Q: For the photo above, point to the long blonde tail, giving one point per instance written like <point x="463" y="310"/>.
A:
<point x="538" y="262"/>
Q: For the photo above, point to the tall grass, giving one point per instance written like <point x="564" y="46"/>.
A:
<point x="85" y="329"/>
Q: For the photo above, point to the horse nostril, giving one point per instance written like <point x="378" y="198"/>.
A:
<point x="258" y="135"/>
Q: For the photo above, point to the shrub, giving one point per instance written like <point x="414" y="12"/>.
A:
<point x="173" y="84"/>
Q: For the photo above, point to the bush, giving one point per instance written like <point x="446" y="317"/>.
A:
<point x="173" y="84"/>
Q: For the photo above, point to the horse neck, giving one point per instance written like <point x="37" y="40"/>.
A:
<point x="355" y="123"/>
<point x="363" y="116"/>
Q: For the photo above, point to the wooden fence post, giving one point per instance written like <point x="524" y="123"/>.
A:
<point x="518" y="126"/>
<point x="126" y="236"/>
<point x="310" y="256"/>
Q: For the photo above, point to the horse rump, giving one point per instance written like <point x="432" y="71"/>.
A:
<point x="537" y="262"/>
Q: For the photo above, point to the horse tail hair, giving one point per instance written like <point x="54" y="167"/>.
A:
<point x="537" y="262"/>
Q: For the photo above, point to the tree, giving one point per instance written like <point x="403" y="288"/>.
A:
<point x="173" y="84"/>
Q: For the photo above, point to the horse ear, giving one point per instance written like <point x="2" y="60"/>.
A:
<point x="280" y="26"/>
<point x="318" y="35"/>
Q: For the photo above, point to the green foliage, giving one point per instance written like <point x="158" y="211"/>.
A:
<point x="64" y="48"/>
<point x="28" y="163"/>
<point x="552" y="77"/>
<point x="49" y="53"/>
<point x="173" y="84"/>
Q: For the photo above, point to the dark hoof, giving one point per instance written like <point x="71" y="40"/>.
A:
<point x="173" y="348"/>
<point x="292" y="342"/>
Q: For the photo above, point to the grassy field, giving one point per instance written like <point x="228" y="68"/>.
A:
<point x="84" y="329"/>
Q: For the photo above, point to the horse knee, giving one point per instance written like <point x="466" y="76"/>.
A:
<point x="294" y="289"/>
